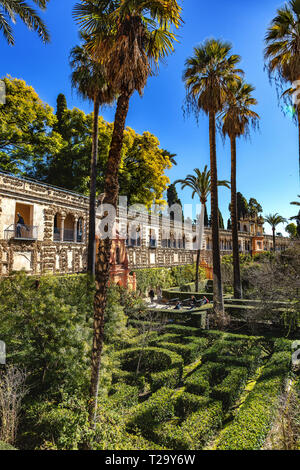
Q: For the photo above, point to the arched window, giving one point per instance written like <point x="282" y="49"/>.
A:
<point x="69" y="228"/>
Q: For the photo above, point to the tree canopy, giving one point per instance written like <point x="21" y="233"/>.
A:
<point x="56" y="148"/>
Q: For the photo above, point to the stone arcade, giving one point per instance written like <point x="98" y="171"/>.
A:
<point x="54" y="237"/>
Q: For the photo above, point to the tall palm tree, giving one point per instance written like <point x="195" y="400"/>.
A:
<point x="274" y="220"/>
<point x="237" y="118"/>
<point x="88" y="77"/>
<point x="10" y="9"/>
<point x="201" y="186"/>
<point x="129" y="37"/>
<point x="206" y="78"/>
<point x="282" y="52"/>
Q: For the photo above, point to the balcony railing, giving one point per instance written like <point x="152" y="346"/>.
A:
<point x="21" y="232"/>
<point x="68" y="236"/>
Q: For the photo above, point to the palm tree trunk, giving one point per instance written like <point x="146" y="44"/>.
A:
<point x="234" y="222"/>
<point x="274" y="239"/>
<point x="104" y="251"/>
<point x="93" y="187"/>
<point x="201" y="231"/>
<point x="299" y="134"/>
<point x="217" y="276"/>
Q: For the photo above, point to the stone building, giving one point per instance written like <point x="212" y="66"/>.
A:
<point x="53" y="235"/>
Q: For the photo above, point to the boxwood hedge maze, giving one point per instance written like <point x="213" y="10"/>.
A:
<point x="193" y="389"/>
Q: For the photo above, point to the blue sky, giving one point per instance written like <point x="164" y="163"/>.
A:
<point x="267" y="165"/>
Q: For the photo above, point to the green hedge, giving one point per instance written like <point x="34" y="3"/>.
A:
<point x="250" y="427"/>
<point x="195" y="432"/>
<point x="166" y="278"/>
<point x="228" y="391"/>
<point x="202" y="380"/>
<point x="189" y="352"/>
<point x="177" y="294"/>
<point x="157" y="409"/>
<point x="158" y="366"/>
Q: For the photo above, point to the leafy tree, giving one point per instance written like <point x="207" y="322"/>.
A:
<point x="291" y="229"/>
<point x="200" y="183"/>
<point x="172" y="196"/>
<point x="274" y="220"/>
<point x="254" y="208"/>
<point x="128" y="37"/>
<point x="206" y="76"/>
<point x="282" y="53"/>
<point x="61" y="108"/>
<point x="237" y="118"/>
<point x="10" y="9"/>
<point x="26" y="123"/>
<point x="88" y="77"/>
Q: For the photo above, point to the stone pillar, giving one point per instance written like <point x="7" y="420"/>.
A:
<point x="62" y="228"/>
<point x="75" y="230"/>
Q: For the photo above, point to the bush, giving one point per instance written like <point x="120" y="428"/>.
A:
<point x="55" y="426"/>
<point x="189" y="352"/>
<point x="194" y="432"/>
<point x="228" y="391"/>
<point x="159" y="408"/>
<point x="158" y="366"/>
<point x="250" y="427"/>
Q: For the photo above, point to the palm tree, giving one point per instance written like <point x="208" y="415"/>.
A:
<point x="10" y="9"/>
<point x="282" y="52"/>
<point x="201" y="186"/>
<point x="296" y="203"/>
<point x="206" y="78"/>
<point x="274" y="220"/>
<point x="237" y="118"/>
<point x="129" y="37"/>
<point x="88" y="77"/>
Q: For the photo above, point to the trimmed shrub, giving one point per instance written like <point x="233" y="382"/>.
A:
<point x="4" y="446"/>
<point x="228" y="391"/>
<point x="160" y="366"/>
<point x="201" y="381"/>
<point x="189" y="352"/>
<point x="194" y="432"/>
<point x="188" y="403"/>
<point x="156" y="410"/>
<point x="250" y="428"/>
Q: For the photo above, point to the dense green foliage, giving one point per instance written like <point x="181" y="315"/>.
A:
<point x="56" y="148"/>
<point x="165" y="278"/>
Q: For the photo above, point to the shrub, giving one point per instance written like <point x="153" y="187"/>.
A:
<point x="202" y="379"/>
<point x="250" y="427"/>
<point x="194" y="432"/>
<point x="156" y="410"/>
<point x="189" y="352"/>
<point x="228" y="391"/>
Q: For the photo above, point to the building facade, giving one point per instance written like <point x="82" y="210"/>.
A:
<point x="52" y="237"/>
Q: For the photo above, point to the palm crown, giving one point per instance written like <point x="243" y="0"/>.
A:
<point x="296" y="203"/>
<point x="10" y="9"/>
<point x="207" y="74"/>
<point x="282" y="52"/>
<point x="274" y="220"/>
<point x="129" y="37"/>
<point x="200" y="184"/>
<point x="237" y="116"/>
<point x="88" y="76"/>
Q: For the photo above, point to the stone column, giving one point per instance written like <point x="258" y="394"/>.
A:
<point x="62" y="228"/>
<point x="75" y="229"/>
